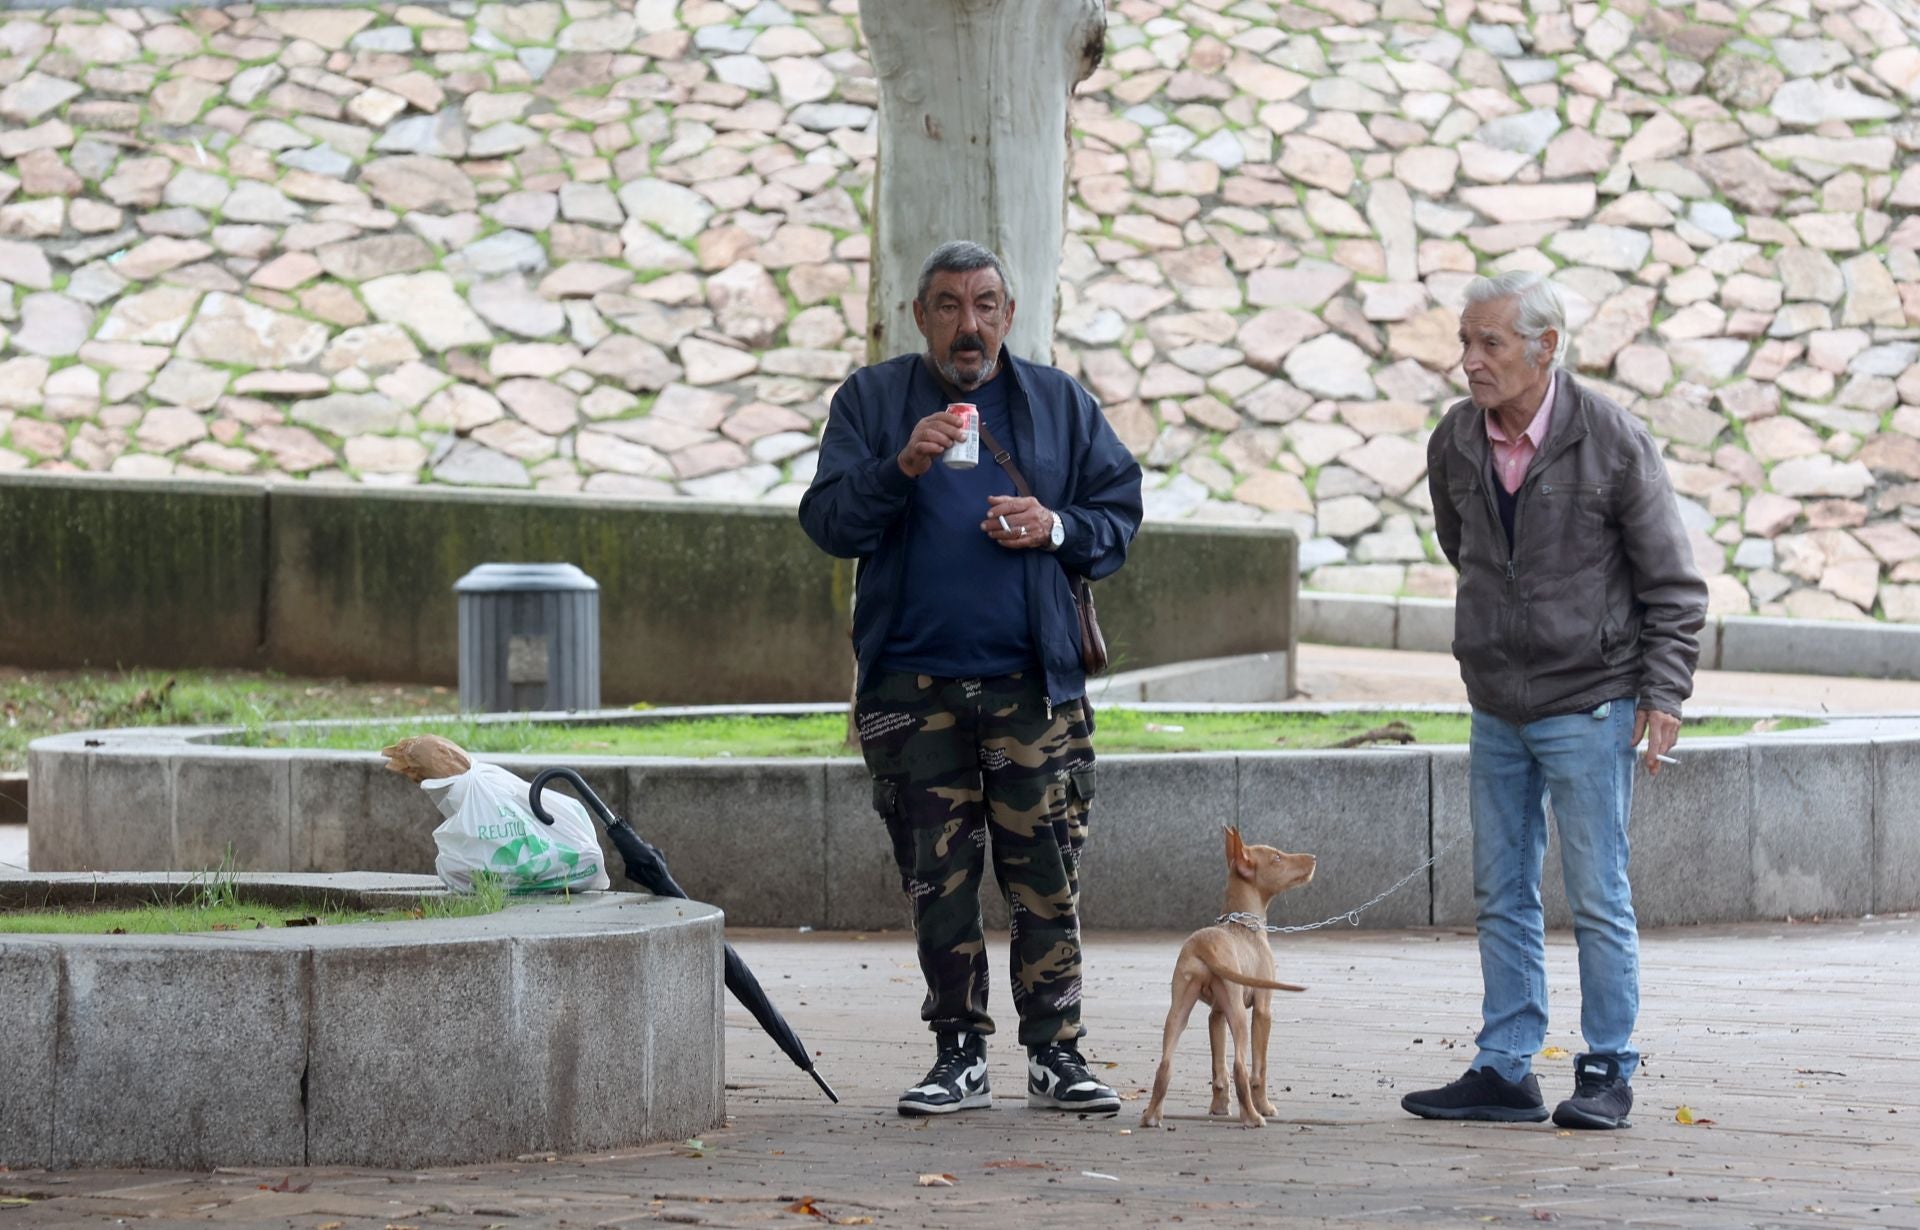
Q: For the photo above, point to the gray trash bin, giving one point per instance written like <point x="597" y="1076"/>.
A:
<point x="529" y="638"/>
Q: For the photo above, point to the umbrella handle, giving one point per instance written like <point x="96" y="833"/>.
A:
<point x="580" y="788"/>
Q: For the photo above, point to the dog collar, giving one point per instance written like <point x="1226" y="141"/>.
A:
<point x="1252" y="922"/>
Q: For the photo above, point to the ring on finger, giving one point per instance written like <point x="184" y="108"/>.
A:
<point x="1023" y="531"/>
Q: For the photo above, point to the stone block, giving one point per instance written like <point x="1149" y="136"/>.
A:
<point x="1155" y="857"/>
<point x="1812" y="828"/>
<point x="863" y="886"/>
<point x="436" y="1023"/>
<point x="129" y="821"/>
<point x="350" y="814"/>
<point x="1820" y="647"/>
<point x="760" y="856"/>
<point x="29" y="1016"/>
<point x="59" y="832"/>
<point x="1348" y="619"/>
<point x="1249" y="679"/>
<point x="1425" y="625"/>
<point x="1896" y="826"/>
<point x="1451" y="813"/>
<point x="155" y="1033"/>
<point x="232" y="807"/>
<point x="684" y="1014"/>
<point x="1313" y="803"/>
<point x="1690" y="838"/>
<point x="567" y="993"/>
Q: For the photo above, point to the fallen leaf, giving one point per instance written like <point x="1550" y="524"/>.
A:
<point x="1555" y="1052"/>
<point x="853" y="1221"/>
<point x="805" y="1205"/>
<point x="936" y="1180"/>
<point x="1683" y="1115"/>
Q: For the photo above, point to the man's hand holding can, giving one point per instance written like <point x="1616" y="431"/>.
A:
<point x="931" y="437"/>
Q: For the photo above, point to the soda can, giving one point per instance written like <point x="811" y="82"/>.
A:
<point x="965" y="454"/>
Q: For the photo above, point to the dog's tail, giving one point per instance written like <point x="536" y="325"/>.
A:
<point x="1247" y="980"/>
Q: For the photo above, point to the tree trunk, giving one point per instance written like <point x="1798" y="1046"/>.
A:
<point x="973" y="145"/>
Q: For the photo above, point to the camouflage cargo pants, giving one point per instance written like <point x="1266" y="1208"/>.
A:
<point x="954" y="762"/>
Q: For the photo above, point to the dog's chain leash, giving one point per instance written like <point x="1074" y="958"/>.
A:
<point x="1255" y="922"/>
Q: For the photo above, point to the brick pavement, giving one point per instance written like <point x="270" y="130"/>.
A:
<point x="1791" y="1038"/>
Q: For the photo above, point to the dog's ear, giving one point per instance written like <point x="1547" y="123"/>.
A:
<point x="1237" y="857"/>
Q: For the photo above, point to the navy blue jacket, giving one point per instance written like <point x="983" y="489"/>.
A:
<point x="857" y="505"/>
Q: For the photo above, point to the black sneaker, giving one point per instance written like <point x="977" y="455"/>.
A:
<point x="1057" y="1079"/>
<point x="958" y="1080"/>
<point x="1481" y="1094"/>
<point x="1601" y="1096"/>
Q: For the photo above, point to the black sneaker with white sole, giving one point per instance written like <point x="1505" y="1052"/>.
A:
<point x="1601" y="1097"/>
<point x="958" y="1080"/>
<point x="1057" y="1079"/>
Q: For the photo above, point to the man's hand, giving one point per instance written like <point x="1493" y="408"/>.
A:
<point x="1660" y="730"/>
<point x="931" y="437"/>
<point x="1017" y="521"/>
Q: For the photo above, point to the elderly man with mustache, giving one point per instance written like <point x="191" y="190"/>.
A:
<point x="971" y="698"/>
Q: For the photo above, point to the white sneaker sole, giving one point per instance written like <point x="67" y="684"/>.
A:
<point x="1096" y="1106"/>
<point x="976" y="1101"/>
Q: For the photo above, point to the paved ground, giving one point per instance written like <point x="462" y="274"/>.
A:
<point x="1388" y="676"/>
<point x="1788" y="1043"/>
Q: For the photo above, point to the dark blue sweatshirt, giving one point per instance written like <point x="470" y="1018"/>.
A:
<point x="860" y="502"/>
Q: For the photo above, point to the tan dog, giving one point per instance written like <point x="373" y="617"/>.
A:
<point x="426" y="757"/>
<point x="1230" y="966"/>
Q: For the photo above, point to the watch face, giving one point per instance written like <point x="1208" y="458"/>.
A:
<point x="1059" y="534"/>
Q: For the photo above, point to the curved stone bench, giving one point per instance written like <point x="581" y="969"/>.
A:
<point x="552" y="1025"/>
<point x="1822" y="821"/>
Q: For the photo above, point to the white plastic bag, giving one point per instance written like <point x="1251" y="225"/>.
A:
<point x="491" y="827"/>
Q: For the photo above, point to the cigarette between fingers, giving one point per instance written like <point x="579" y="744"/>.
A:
<point x="1005" y="526"/>
<point x="1666" y="760"/>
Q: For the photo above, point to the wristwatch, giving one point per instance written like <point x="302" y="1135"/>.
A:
<point x="1057" y="536"/>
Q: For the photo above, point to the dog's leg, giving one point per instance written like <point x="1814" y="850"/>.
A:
<point x="1262" y="1031"/>
<point x="1186" y="993"/>
<point x="1237" y="1023"/>
<point x="1217" y="1037"/>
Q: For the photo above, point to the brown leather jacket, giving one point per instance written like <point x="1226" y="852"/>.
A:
<point x="1599" y="597"/>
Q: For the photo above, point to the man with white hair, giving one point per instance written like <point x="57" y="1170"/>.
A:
<point x="1575" y="626"/>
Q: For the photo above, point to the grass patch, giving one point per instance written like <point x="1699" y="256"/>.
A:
<point x="34" y="704"/>
<point x="216" y="904"/>
<point x="1119" y="731"/>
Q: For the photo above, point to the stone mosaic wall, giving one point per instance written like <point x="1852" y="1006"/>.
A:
<point x="619" y="246"/>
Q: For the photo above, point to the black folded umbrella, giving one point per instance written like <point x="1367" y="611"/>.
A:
<point x="647" y="868"/>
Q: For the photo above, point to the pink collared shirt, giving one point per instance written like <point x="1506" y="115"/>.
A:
<point x="1512" y="457"/>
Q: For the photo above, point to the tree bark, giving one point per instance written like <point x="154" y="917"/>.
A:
<point x="974" y="98"/>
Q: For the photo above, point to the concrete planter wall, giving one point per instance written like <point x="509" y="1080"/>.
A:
<point x="699" y="603"/>
<point x="1817" y="822"/>
<point x="549" y="1026"/>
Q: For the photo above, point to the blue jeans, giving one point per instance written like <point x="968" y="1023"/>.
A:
<point x="1584" y="762"/>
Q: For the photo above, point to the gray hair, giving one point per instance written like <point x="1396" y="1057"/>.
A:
<point x="1540" y="308"/>
<point x="960" y="256"/>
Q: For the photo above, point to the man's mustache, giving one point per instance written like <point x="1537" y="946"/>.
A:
<point x="968" y="341"/>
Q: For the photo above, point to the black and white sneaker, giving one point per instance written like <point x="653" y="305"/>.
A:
<point x="1057" y="1079"/>
<point x="958" y="1080"/>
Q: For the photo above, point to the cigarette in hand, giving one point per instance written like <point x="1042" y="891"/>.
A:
<point x="1005" y="526"/>
<point x="1666" y="760"/>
